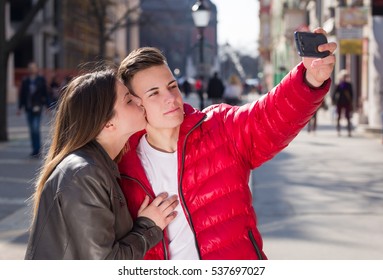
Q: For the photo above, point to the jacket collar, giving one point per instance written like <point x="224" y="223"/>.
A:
<point x="192" y="117"/>
<point x="111" y="164"/>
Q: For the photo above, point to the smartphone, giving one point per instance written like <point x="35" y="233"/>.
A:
<point x="307" y="44"/>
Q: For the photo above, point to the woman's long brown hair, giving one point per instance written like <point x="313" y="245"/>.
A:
<point x="85" y="106"/>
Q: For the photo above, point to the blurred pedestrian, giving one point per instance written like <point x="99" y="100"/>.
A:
<point x="33" y="97"/>
<point x="312" y="124"/>
<point x="186" y="88"/>
<point x="215" y="89"/>
<point x="79" y="209"/>
<point x="233" y="91"/>
<point x="342" y="98"/>
<point x="199" y="87"/>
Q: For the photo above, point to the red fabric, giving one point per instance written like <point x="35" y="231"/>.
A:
<point x="198" y="85"/>
<point x="217" y="149"/>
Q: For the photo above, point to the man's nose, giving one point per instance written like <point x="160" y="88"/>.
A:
<point x="169" y="96"/>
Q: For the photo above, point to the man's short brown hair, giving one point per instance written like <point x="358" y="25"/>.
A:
<point x="138" y="60"/>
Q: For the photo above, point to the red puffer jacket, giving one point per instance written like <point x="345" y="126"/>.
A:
<point x="217" y="149"/>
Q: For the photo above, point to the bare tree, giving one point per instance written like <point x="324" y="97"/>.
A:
<point x="7" y="46"/>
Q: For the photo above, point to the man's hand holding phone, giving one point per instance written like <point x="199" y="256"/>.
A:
<point x="317" y="56"/>
<point x="307" y="44"/>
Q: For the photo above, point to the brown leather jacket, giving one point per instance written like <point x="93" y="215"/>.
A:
<point x="83" y="213"/>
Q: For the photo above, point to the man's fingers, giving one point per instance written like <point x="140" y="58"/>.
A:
<point x="331" y="46"/>
<point x="320" y="30"/>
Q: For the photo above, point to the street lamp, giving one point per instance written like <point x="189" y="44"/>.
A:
<point x="201" y="17"/>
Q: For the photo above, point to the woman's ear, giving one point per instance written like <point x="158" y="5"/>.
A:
<point x="108" y="125"/>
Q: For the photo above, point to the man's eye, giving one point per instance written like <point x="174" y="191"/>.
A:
<point x="153" y="93"/>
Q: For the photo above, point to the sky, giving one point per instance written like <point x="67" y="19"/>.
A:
<point x="238" y="24"/>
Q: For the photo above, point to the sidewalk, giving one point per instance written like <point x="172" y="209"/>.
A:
<point x="17" y="171"/>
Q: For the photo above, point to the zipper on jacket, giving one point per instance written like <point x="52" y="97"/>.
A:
<point x="182" y="198"/>
<point x="138" y="182"/>
<point x="252" y="239"/>
<point x="166" y="254"/>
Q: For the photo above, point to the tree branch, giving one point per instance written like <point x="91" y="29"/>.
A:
<point x="15" y="39"/>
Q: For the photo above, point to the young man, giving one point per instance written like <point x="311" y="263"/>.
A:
<point x="206" y="157"/>
<point x="33" y="97"/>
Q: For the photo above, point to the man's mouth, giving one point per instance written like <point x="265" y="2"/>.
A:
<point x="171" y="111"/>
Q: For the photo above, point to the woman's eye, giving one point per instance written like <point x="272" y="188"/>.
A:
<point x="130" y="100"/>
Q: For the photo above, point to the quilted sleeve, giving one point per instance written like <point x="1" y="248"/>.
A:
<point x="261" y="129"/>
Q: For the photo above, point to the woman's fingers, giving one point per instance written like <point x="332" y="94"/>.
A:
<point x="164" y="203"/>
<point x="160" y="210"/>
<point x="144" y="204"/>
<point x="169" y="203"/>
<point x="171" y="217"/>
<point x="160" y="198"/>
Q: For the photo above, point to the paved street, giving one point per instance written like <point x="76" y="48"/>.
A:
<point x="321" y="198"/>
<point x="17" y="172"/>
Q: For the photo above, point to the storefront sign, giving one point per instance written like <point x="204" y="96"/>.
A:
<point x="351" y="46"/>
<point x="352" y="16"/>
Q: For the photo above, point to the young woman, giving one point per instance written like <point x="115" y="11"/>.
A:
<point x="79" y="209"/>
<point x="342" y="98"/>
<point x="233" y="91"/>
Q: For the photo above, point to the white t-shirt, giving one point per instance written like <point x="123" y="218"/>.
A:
<point x="161" y="170"/>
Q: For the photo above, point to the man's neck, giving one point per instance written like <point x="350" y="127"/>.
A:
<point x="163" y="140"/>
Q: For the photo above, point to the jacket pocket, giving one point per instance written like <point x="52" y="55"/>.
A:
<point x="255" y="245"/>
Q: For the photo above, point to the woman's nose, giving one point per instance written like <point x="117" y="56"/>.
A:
<point x="137" y="100"/>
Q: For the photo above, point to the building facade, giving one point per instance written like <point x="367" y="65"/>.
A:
<point x="168" y="25"/>
<point x="68" y="33"/>
<point x="353" y="24"/>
